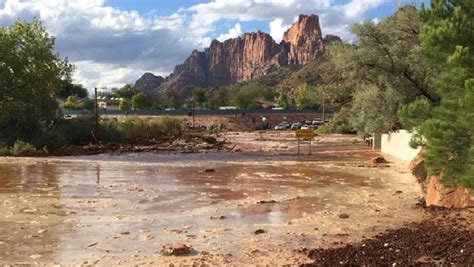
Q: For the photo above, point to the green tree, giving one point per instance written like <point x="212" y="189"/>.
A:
<point x="124" y="105"/>
<point x="199" y="95"/>
<point x="70" y="89"/>
<point x="283" y="101"/>
<point x="387" y="58"/>
<point x="448" y="42"/>
<point x="127" y="91"/>
<point x="31" y="75"/>
<point x="305" y="96"/>
<point x="141" y="101"/>
<point x="172" y="100"/>
<point x="71" y="102"/>
<point x="374" y="110"/>
<point x="219" y="98"/>
<point x="86" y="104"/>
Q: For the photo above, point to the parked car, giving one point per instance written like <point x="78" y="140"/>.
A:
<point x="280" y="127"/>
<point x="307" y="127"/>
<point x="296" y="126"/>
<point x="318" y="122"/>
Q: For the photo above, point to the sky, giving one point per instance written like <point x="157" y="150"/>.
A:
<point x="113" y="42"/>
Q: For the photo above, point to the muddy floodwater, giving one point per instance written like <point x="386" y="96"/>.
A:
<point x="121" y="209"/>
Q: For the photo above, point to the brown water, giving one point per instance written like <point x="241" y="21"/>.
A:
<point x="121" y="209"/>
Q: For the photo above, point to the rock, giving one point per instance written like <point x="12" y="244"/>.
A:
<point x="36" y="256"/>
<point x="441" y="196"/>
<point x="148" y="83"/>
<point x="175" y="249"/>
<point x="304" y="40"/>
<point x="267" y="202"/>
<point x="216" y="217"/>
<point x="418" y="170"/>
<point x="249" y="56"/>
<point x="378" y="160"/>
<point x="92" y="245"/>
<point x="209" y="170"/>
<point x="344" y="216"/>
<point x="259" y="231"/>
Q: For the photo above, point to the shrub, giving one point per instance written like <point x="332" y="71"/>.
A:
<point x="109" y="132"/>
<point x="21" y="147"/>
<point x="169" y="126"/>
<point x="134" y="127"/>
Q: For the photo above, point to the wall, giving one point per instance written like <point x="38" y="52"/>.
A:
<point x="397" y="145"/>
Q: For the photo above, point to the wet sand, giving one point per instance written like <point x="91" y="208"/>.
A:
<point x="121" y="209"/>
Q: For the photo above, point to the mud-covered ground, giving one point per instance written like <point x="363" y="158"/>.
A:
<point x="121" y="209"/>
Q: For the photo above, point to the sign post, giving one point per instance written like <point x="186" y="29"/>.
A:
<point x="304" y="134"/>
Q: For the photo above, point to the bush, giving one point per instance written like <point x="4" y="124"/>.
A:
<point x="21" y="147"/>
<point x="168" y="126"/>
<point x="109" y="132"/>
<point x="134" y="127"/>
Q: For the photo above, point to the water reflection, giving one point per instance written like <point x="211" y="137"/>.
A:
<point x="63" y="211"/>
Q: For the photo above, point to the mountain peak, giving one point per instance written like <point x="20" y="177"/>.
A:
<point x="304" y="38"/>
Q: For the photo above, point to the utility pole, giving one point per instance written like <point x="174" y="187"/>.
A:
<point x="96" y="109"/>
<point x="193" y="112"/>
<point x="324" y="111"/>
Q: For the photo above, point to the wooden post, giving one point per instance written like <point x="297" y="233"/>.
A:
<point x="96" y="108"/>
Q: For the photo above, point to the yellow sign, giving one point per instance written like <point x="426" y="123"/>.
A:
<point x="305" y="133"/>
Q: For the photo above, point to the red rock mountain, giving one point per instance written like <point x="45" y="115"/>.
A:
<point x="249" y="56"/>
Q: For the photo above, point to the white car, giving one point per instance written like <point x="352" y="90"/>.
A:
<point x="280" y="127"/>
<point x="306" y="127"/>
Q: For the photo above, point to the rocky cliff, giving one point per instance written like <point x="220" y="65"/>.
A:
<point x="148" y="83"/>
<point x="249" y="56"/>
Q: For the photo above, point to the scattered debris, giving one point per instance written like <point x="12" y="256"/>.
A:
<point x="267" y="202"/>
<point x="175" y="249"/>
<point x="344" y="216"/>
<point x="217" y="217"/>
<point x="260" y="231"/>
<point x="378" y="160"/>
<point x="93" y="244"/>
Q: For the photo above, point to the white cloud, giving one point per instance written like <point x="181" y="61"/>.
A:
<point x="277" y="29"/>
<point x="111" y="46"/>
<point x="234" y="32"/>
<point x="334" y="18"/>
<point x="99" y="39"/>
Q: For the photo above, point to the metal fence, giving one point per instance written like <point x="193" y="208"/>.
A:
<point x="198" y="112"/>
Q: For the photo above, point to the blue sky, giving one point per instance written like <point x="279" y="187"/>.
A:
<point x="113" y="42"/>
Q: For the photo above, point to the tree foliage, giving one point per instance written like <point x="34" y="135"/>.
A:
<point x="448" y="43"/>
<point x="70" y="89"/>
<point x="141" y="101"/>
<point x="385" y="67"/>
<point x="199" y="95"/>
<point x="31" y="75"/>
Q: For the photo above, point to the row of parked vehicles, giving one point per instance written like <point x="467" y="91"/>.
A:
<point x="301" y="125"/>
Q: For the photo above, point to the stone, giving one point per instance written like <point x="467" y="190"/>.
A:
<point x="442" y="196"/>
<point x="378" y="160"/>
<point x="175" y="249"/>
<point x="148" y="83"/>
<point x="209" y="170"/>
<point x="418" y="171"/>
<point x="216" y="217"/>
<point x="344" y="216"/>
<point x="259" y="231"/>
